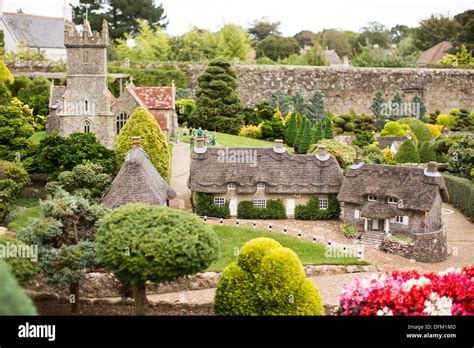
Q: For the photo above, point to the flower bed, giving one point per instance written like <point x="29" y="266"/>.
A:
<point x="409" y="293"/>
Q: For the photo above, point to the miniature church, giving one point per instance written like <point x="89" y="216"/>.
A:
<point x="86" y="104"/>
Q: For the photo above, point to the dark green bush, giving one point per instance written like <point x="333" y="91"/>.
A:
<point x="407" y="153"/>
<point x="266" y="280"/>
<point x="311" y="210"/>
<point x="461" y="194"/>
<point x="13" y="301"/>
<point x="427" y="153"/>
<point x="419" y="128"/>
<point x="205" y="206"/>
<point x="275" y="210"/>
<point x="22" y="268"/>
<point x="8" y="192"/>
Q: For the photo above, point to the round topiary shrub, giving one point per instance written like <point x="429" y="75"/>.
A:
<point x="142" y="243"/>
<point x="21" y="267"/>
<point x="267" y="279"/>
<point x="418" y="128"/>
<point x="13" y="301"/>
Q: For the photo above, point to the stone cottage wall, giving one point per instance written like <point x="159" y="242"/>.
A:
<point x="431" y="247"/>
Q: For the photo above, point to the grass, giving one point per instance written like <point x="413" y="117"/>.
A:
<point x="232" y="238"/>
<point x="401" y="238"/>
<point x="37" y="137"/>
<point x="25" y="208"/>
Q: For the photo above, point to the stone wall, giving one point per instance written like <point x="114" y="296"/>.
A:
<point x="394" y="247"/>
<point x="431" y="247"/>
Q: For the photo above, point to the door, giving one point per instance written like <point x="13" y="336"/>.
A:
<point x="375" y="225"/>
<point x="290" y="207"/>
<point x="233" y="206"/>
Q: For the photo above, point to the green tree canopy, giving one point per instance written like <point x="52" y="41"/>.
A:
<point x="15" y="130"/>
<point x="261" y="28"/>
<point x="435" y="29"/>
<point x="407" y="153"/>
<point x="277" y="47"/>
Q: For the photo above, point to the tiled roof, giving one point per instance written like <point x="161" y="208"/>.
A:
<point x="154" y="97"/>
<point x="435" y="53"/>
<point x="36" y="31"/>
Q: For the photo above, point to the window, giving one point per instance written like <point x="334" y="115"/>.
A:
<point x="356" y="214"/>
<point x="231" y="186"/>
<point x="260" y="203"/>
<point x="401" y="220"/>
<point x="392" y="200"/>
<point x="86" y="106"/>
<point x="121" y="120"/>
<point x="220" y="201"/>
<point x="371" y="198"/>
<point x="87" y="127"/>
<point x="323" y="203"/>
<point x="297" y="195"/>
<point x="260" y="186"/>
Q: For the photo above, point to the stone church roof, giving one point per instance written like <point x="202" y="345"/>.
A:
<point x="414" y="187"/>
<point x="138" y="181"/>
<point x="35" y="31"/>
<point x="153" y="98"/>
<point x="283" y="173"/>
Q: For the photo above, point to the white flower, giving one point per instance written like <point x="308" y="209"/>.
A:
<point x="449" y="270"/>
<point x="415" y="282"/>
<point x="438" y="305"/>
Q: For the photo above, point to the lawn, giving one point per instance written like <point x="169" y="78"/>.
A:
<point x="37" y="137"/>
<point x="25" y="208"/>
<point x="232" y="238"/>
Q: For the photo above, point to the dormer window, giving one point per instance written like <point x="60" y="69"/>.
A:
<point x="392" y="200"/>
<point x="260" y="186"/>
<point x="231" y="186"/>
<point x="371" y="198"/>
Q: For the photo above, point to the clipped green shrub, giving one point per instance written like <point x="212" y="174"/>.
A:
<point x="427" y="153"/>
<point x="140" y="243"/>
<point x="418" y="128"/>
<point x="205" y="206"/>
<point x="8" y="193"/>
<point x="14" y="171"/>
<point x="311" y="210"/>
<point x="407" y="153"/>
<point x="6" y="76"/>
<point x="461" y="194"/>
<point x="21" y="267"/>
<point x="343" y="153"/>
<point x="275" y="210"/>
<point x="446" y="120"/>
<point x="266" y="280"/>
<point x="392" y="128"/>
<point x="153" y="141"/>
<point x="13" y="301"/>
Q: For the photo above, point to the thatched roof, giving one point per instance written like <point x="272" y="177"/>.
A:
<point x="416" y="190"/>
<point x="211" y="171"/>
<point x="138" y="181"/>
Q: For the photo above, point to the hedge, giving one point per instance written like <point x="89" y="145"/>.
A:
<point x="311" y="211"/>
<point x="275" y="210"/>
<point x="205" y="206"/>
<point x="461" y="194"/>
<point x="13" y="300"/>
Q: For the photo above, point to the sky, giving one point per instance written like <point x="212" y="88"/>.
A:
<point x="294" y="15"/>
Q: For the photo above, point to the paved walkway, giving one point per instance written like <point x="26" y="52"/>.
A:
<point x="180" y="175"/>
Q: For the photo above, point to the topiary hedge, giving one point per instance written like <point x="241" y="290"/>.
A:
<point x="21" y="267"/>
<point x="267" y="279"/>
<point x="13" y="301"/>
<point x="461" y="194"/>
<point x="205" y="206"/>
<point x="311" y="211"/>
<point x="275" y="210"/>
<point x="8" y="190"/>
<point x="418" y="128"/>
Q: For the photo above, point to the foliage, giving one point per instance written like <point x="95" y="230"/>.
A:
<point x="281" y="101"/>
<point x="388" y="155"/>
<point x="8" y="193"/>
<point x="16" y="172"/>
<point x="350" y="231"/>
<point x="435" y="130"/>
<point x="184" y="110"/>
<point x="461" y="194"/>
<point x="22" y="267"/>
<point x="5" y="95"/>
<point x="338" y="41"/>
<point x="250" y="131"/>
<point x="407" y="153"/>
<point x="25" y="53"/>
<point x="56" y="154"/>
<point x="277" y="47"/>
<point x="6" y="76"/>
<point x="262" y="28"/>
<point x="315" y="109"/>
<point x="275" y="209"/>
<point x="464" y="120"/>
<point x="370" y="57"/>
<point x="435" y="29"/>
<point x="265" y="61"/>
<point x="431" y="117"/>
<point x="427" y="153"/>
<point x="35" y="93"/>
<point x="460" y="157"/>
<point x="311" y="210"/>
<point x="393" y="128"/>
<point x="418" y="103"/>
<point x="152" y="140"/>
<point x="315" y="57"/>
<point x="142" y="243"/>
<point x="418" y="128"/>
<point x="218" y="103"/>
<point x="344" y="123"/>
<point x="462" y="58"/>
<point x="446" y="120"/>
<point x="377" y="108"/>
<point x="292" y="129"/>
<point x="443" y="144"/>
<point x="13" y="300"/>
<point x="205" y="206"/>
<point x="267" y="279"/>
<point x="306" y="137"/>
<point x="363" y="123"/>
<point x="363" y="139"/>
<point x="397" y="109"/>
<point x="409" y="293"/>
<point x="273" y="128"/>
<point x="344" y="154"/>
<point x="14" y="133"/>
<point x="37" y="122"/>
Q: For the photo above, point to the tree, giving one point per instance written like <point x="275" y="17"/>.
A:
<point x="291" y="130"/>
<point x="318" y="132"/>
<point x="142" y="243"/>
<point x="13" y="300"/>
<point x="262" y="28"/>
<point x="35" y="94"/>
<point x="14" y="134"/>
<point x="378" y="106"/>
<point x="419" y="130"/>
<point x="65" y="236"/>
<point x="392" y="128"/>
<point x="327" y="129"/>
<point x="306" y="137"/>
<point x="407" y="153"/>
<point x="306" y="38"/>
<point x="397" y="106"/>
<point x="466" y="34"/>
<point x="277" y="47"/>
<point x="316" y="110"/>
<point x="6" y="76"/>
<point x="419" y="105"/>
<point x="5" y="95"/>
<point x="218" y="105"/>
<point x="123" y="15"/>
<point x="152" y="140"/>
<point x="266" y="279"/>
<point x="427" y="153"/>
<point x="464" y="120"/>
<point x="338" y="41"/>
<point x="280" y="100"/>
<point x="298" y="103"/>
<point x="374" y="33"/>
<point x="363" y="139"/>
<point x="235" y="42"/>
<point x="435" y="29"/>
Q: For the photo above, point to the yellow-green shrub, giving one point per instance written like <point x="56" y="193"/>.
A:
<point x="446" y="120"/>
<point x="435" y="130"/>
<point x="250" y="131"/>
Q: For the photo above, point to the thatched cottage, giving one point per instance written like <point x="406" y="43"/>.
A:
<point x="262" y="174"/>
<point x="398" y="199"/>
<point x="138" y="181"/>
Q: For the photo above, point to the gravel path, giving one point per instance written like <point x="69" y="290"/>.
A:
<point x="180" y="175"/>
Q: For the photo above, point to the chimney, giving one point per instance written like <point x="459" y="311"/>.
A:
<point x="322" y="153"/>
<point x="200" y="145"/>
<point x="279" y="148"/>
<point x="432" y="169"/>
<point x="357" y="161"/>
<point x="136" y="141"/>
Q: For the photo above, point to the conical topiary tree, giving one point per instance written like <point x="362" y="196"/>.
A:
<point x="292" y="129"/>
<point x="298" y="103"/>
<point x="142" y="123"/>
<point x="316" y="110"/>
<point x="397" y="110"/>
<point x="407" y="153"/>
<point x="378" y="107"/>
<point x="299" y="134"/>
<point x="13" y="301"/>
<point x="306" y="137"/>
<point x="218" y="105"/>
<point x="419" y="108"/>
<point x="327" y="129"/>
<point x="318" y="132"/>
<point x="427" y="153"/>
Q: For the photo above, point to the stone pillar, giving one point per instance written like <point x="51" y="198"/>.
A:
<point x="431" y="246"/>
<point x="365" y="224"/>
<point x="387" y="225"/>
